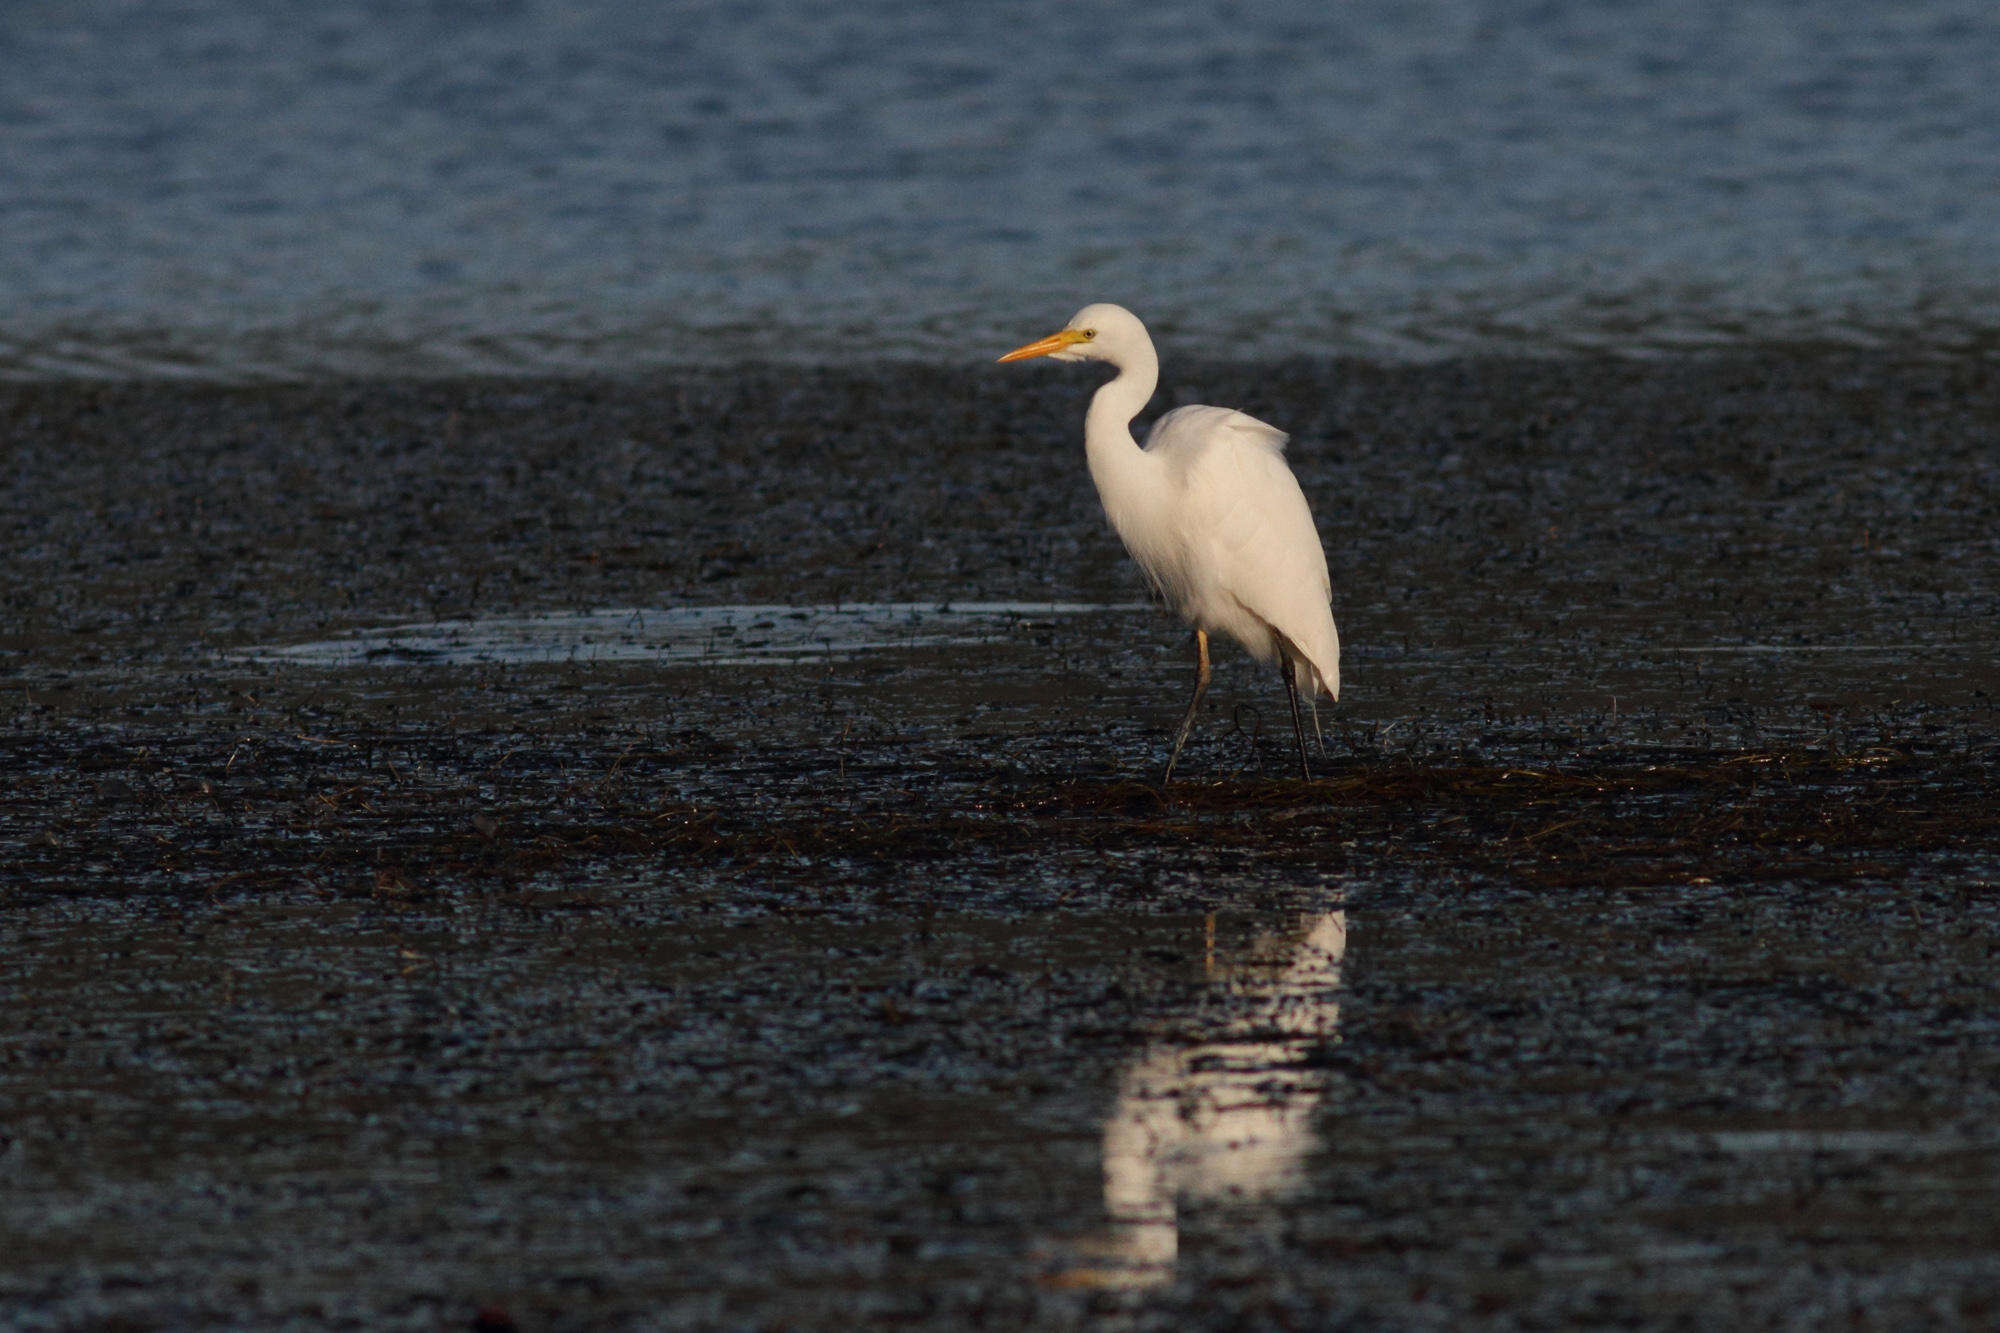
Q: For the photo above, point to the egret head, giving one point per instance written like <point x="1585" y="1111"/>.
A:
<point x="1102" y="332"/>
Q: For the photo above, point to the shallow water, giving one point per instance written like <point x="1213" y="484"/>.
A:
<point x="217" y="189"/>
<point x="1628" y="958"/>
<point x="716" y="636"/>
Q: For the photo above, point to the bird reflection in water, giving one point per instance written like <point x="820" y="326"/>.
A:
<point x="1223" y="1120"/>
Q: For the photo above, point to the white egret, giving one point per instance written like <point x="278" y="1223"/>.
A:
<point x="1211" y="513"/>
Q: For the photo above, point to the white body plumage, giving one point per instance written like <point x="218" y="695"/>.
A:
<point x="1223" y="531"/>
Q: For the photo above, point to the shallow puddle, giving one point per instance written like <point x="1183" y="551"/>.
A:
<point x="685" y="636"/>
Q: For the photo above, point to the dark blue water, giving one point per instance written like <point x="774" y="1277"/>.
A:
<point x="237" y="187"/>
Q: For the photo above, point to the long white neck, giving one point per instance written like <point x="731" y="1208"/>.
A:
<point x="1127" y="478"/>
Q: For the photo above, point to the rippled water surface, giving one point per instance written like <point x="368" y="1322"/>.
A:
<point x="222" y="187"/>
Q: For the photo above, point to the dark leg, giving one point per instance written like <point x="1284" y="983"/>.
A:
<point x="1298" y="731"/>
<point x="1200" y="684"/>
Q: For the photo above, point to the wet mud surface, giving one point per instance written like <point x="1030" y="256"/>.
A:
<point x="1630" y="958"/>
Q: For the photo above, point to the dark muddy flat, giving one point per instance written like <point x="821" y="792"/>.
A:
<point x="690" y="853"/>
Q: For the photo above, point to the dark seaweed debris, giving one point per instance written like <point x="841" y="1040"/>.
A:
<point x="1658" y="810"/>
<point x="362" y="812"/>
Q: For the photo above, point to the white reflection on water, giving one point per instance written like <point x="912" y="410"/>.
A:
<point x="690" y="635"/>
<point x="1227" y="1120"/>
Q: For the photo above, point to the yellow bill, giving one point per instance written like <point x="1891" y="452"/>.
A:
<point x="1055" y="342"/>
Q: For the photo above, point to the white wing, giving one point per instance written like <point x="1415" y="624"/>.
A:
<point x="1253" y="560"/>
